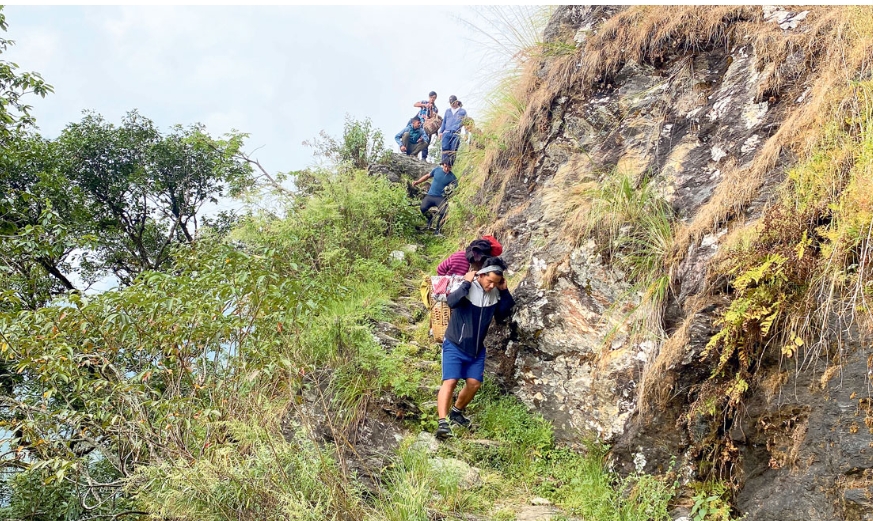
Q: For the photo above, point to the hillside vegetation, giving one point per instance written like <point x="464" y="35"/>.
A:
<point x="278" y="365"/>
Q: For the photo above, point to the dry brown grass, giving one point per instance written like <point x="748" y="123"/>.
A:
<point x="657" y="379"/>
<point x="829" y="53"/>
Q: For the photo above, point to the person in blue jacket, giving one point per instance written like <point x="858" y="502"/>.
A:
<point x="442" y="177"/>
<point x="482" y="295"/>
<point x="451" y="128"/>
<point x="413" y="140"/>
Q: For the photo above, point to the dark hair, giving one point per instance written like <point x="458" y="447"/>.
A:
<point x="478" y="251"/>
<point x="459" y="103"/>
<point x="495" y="261"/>
<point x="414" y="119"/>
<point x="432" y="93"/>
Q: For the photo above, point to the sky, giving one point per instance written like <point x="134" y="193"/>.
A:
<point x="281" y="74"/>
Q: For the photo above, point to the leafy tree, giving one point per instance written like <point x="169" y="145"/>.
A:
<point x="360" y="146"/>
<point x="14" y="113"/>
<point x="40" y="222"/>
<point x="142" y="190"/>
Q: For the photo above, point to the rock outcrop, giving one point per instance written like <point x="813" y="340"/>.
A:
<point x="698" y="124"/>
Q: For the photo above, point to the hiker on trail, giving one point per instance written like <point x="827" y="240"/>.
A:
<point x="482" y="296"/>
<point x="413" y="139"/>
<point x="451" y="128"/>
<point x="442" y="177"/>
<point x="429" y="115"/>
<point x="462" y="261"/>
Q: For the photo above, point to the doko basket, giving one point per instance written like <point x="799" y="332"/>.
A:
<point x="439" y="320"/>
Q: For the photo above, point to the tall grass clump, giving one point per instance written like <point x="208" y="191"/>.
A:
<point x="581" y="484"/>
<point x="632" y="225"/>
<point x="523" y="436"/>
<point x="260" y="476"/>
<point x="417" y="486"/>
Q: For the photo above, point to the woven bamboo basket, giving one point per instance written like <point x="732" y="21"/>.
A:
<point x="432" y="125"/>
<point x="439" y="320"/>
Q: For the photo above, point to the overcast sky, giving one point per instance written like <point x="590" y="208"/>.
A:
<point x="281" y="74"/>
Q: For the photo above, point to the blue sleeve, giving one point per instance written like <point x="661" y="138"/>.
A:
<point x="432" y="171"/>
<point x="456" y="297"/>
<point x="443" y="124"/>
<point x="399" y="136"/>
<point x="425" y="137"/>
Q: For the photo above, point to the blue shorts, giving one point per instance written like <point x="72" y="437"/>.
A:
<point x="458" y="365"/>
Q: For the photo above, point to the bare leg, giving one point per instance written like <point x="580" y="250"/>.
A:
<point x="467" y="393"/>
<point x="444" y="398"/>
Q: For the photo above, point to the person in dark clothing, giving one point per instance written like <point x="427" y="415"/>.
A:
<point x="482" y="295"/>
<point x="413" y="139"/>
<point x="442" y="177"/>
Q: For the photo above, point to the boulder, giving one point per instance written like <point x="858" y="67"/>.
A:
<point x="399" y="168"/>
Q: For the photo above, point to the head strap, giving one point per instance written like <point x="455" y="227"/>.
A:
<point x="490" y="269"/>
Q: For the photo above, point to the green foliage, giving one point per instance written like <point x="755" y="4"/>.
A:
<point x="523" y="437"/>
<point x="632" y="225"/>
<point x="41" y="222"/>
<point x="14" y="113"/>
<point x="758" y="303"/>
<point x="360" y="145"/>
<point x="711" y="502"/>
<point x="259" y="476"/>
<point x="416" y="489"/>
<point x="581" y="484"/>
<point x="146" y="378"/>
<point x="142" y="190"/>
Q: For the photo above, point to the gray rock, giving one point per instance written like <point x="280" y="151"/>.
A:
<point x="537" y="513"/>
<point x="400" y="168"/>
<point x="468" y="477"/>
<point x="426" y="442"/>
<point x="569" y="352"/>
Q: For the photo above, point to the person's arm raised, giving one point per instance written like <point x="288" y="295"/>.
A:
<point x="422" y="179"/>
<point x="456" y="297"/>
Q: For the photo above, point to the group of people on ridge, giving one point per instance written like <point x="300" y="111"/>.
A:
<point x="481" y="296"/>
<point x="415" y="138"/>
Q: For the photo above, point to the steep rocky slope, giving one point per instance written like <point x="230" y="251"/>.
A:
<point x="710" y="108"/>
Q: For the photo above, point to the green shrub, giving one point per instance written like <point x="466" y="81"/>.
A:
<point x="581" y="484"/>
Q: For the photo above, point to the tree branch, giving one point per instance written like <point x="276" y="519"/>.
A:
<point x="265" y="174"/>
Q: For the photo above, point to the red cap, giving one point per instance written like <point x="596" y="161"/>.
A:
<point x="496" y="247"/>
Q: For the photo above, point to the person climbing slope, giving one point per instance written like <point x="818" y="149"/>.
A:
<point x="482" y="295"/>
<point x="442" y="177"/>
<point x="462" y="261"/>
<point x="413" y="139"/>
<point x="451" y="128"/>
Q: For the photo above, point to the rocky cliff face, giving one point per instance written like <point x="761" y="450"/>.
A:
<point x="703" y="125"/>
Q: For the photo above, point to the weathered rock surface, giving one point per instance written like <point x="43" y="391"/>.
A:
<point x="400" y="167"/>
<point x="805" y="452"/>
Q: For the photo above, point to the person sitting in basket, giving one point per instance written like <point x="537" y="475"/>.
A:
<point x="472" y="257"/>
